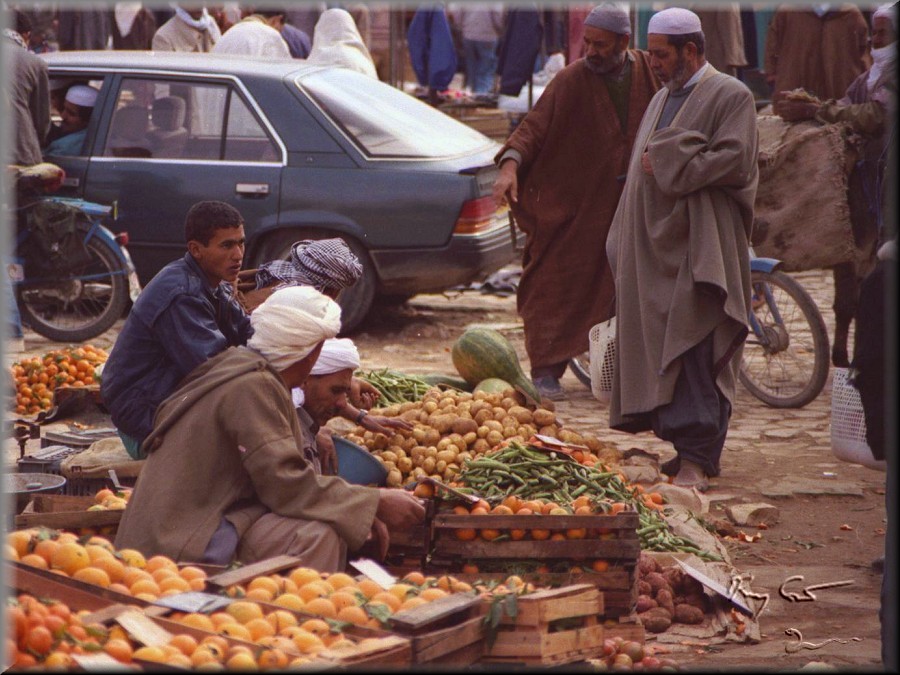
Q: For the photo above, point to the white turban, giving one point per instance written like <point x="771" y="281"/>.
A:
<point x="674" y="21"/>
<point x="79" y="94"/>
<point x="887" y="12"/>
<point x="291" y="322"/>
<point x="337" y="354"/>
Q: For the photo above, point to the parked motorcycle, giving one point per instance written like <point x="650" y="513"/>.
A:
<point x="72" y="276"/>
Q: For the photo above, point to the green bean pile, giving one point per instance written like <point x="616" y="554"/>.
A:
<point x="532" y="474"/>
<point x="395" y="387"/>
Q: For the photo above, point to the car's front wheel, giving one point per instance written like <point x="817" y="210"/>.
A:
<point x="355" y="301"/>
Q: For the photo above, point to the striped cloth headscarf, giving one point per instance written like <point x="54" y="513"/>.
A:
<point x="324" y="264"/>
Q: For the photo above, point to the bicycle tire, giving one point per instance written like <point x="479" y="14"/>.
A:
<point x="581" y="368"/>
<point x="69" y="309"/>
<point x="793" y="373"/>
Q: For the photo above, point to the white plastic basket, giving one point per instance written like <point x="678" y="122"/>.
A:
<point x="602" y="339"/>
<point x="848" y="424"/>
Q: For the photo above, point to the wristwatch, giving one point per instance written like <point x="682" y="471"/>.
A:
<point x="359" y="417"/>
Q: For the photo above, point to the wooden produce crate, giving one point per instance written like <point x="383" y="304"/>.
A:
<point x="551" y="627"/>
<point x="626" y="627"/>
<point x="448" y="631"/>
<point x="68" y="512"/>
<point x="41" y="583"/>
<point x="491" y="122"/>
<point x="617" y="540"/>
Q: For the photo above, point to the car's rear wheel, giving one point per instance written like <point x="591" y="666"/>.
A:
<point x="355" y="301"/>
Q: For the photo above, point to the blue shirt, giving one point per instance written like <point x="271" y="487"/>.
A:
<point x="67" y="145"/>
<point x="297" y="41"/>
<point x="177" y="323"/>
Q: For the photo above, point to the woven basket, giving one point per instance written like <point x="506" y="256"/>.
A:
<point x="848" y="424"/>
<point x="602" y="339"/>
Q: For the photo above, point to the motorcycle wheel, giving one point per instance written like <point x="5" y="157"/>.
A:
<point x="80" y="305"/>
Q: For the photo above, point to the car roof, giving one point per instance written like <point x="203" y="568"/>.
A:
<point x="218" y="64"/>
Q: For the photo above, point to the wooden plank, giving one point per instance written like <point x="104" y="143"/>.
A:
<point x="54" y="503"/>
<point x="419" y="618"/>
<point x="633" y="631"/>
<point x="528" y="644"/>
<point x="615" y="578"/>
<point x="458" y="645"/>
<point x="107" y="614"/>
<point x="257" y="569"/>
<point x="526" y="550"/>
<point x="569" y="603"/>
<point x="69" y="520"/>
<point x="626" y="523"/>
<point x="42" y="583"/>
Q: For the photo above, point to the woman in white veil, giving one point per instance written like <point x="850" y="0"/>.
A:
<point x="337" y="42"/>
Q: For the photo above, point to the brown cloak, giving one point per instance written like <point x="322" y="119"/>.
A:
<point x="821" y="55"/>
<point x="678" y="245"/>
<point x="573" y="149"/>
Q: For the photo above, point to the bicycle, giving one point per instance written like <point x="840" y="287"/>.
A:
<point x="786" y="356"/>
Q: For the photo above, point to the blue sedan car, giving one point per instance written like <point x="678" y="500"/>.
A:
<point x="303" y="152"/>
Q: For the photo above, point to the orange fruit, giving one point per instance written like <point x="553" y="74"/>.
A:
<point x="46" y="548"/>
<point x="557" y="536"/>
<point x="259" y="628"/>
<point x="241" y="661"/>
<point x="368" y="587"/>
<point x="133" y="558"/>
<point x="414" y="578"/>
<point x="308" y="643"/>
<point x="524" y="511"/>
<point x="162" y="573"/>
<point x="316" y="627"/>
<point x="190" y="573"/>
<point x="314" y="589"/>
<point x="466" y="534"/>
<point x="186" y="644"/>
<point x="412" y="603"/>
<point x="145" y="586"/>
<point x="175" y="583"/>
<point x="20" y="540"/>
<point x="134" y="574"/>
<point x="220" y="618"/>
<point x="502" y="510"/>
<point x="281" y="619"/>
<point x="93" y="575"/>
<point x="259" y="595"/>
<point x="512" y="502"/>
<point x="469" y="568"/>
<point x="460" y="510"/>
<point x="119" y="649"/>
<point x="340" y="580"/>
<point x="160" y="562"/>
<point x="540" y="535"/>
<point x="103" y="494"/>
<point x="96" y="553"/>
<point x="548" y="507"/>
<point x="266" y="583"/>
<point x="272" y="658"/>
<point x="432" y="594"/>
<point x="392" y="600"/>
<point x="197" y="620"/>
<point x="341" y="599"/>
<point x="70" y="557"/>
<point x="583" y="511"/>
<point x="235" y="630"/>
<point x="600" y="565"/>
<point x="119" y="588"/>
<point x="322" y="607"/>
<point x="289" y="601"/>
<point x="34" y="560"/>
<point x="155" y="654"/>
<point x="303" y="575"/>
<point x="517" y="535"/>
<point x="353" y="614"/>
<point x="244" y="610"/>
<point x="479" y="511"/>
<point x="201" y="656"/>
<point x="489" y="534"/>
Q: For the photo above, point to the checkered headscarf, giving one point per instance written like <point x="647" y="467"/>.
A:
<point x="324" y="264"/>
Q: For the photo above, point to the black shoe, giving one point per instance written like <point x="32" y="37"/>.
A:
<point x="549" y="387"/>
<point x="672" y="467"/>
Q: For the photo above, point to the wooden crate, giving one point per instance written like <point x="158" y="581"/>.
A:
<point x="552" y="627"/>
<point x="448" y="631"/>
<point x="617" y="539"/>
<point x="67" y="512"/>
<point x="626" y="627"/>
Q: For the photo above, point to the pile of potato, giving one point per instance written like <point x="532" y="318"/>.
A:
<point x="667" y="595"/>
<point x="452" y="426"/>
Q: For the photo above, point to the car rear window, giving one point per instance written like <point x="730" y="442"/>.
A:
<point x="386" y="123"/>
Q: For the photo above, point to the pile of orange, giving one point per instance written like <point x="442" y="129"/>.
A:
<point x="111" y="500"/>
<point x="36" y="378"/>
<point x="512" y="505"/>
<point x="94" y="560"/>
<point x="341" y="597"/>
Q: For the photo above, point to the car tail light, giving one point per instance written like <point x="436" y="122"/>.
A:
<point x="475" y="215"/>
<point x="121" y="238"/>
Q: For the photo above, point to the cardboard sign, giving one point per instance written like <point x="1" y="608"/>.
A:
<point x="375" y="572"/>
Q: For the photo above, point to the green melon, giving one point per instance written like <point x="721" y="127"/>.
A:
<point x="482" y="353"/>
<point x="493" y="385"/>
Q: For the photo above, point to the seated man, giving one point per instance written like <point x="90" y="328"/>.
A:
<point x="76" y="113"/>
<point x="327" y="394"/>
<point x="228" y="476"/>
<point x="185" y="315"/>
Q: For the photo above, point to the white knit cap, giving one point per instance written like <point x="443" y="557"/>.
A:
<point x="674" y="21"/>
<point x="337" y="354"/>
<point x="611" y="16"/>
<point x="82" y="95"/>
<point x="291" y="322"/>
<point x="887" y="12"/>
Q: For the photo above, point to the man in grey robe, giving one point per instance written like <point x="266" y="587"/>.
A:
<point x="678" y="249"/>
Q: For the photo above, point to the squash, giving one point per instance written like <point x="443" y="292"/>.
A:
<point x="445" y="381"/>
<point x="482" y="353"/>
<point x="493" y="385"/>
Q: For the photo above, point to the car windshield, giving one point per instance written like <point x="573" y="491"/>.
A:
<point x="384" y="121"/>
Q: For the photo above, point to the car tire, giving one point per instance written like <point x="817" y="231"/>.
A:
<point x="355" y="301"/>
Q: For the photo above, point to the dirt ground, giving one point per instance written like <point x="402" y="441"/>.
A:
<point x="831" y="514"/>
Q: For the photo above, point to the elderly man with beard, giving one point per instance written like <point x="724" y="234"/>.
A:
<point x="229" y="477"/>
<point x="569" y="154"/>
<point x="679" y="251"/>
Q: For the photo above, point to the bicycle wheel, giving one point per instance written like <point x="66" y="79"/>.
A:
<point x="581" y="368"/>
<point x="785" y="361"/>
<point x="80" y="305"/>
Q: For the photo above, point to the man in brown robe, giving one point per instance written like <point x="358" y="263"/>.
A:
<point x="819" y="51"/>
<point x="678" y="248"/>
<point x="570" y="153"/>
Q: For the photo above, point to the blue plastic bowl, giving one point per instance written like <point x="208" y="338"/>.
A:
<point x="357" y="465"/>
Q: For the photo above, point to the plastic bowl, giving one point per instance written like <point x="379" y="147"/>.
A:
<point x="24" y="485"/>
<point x="357" y="465"/>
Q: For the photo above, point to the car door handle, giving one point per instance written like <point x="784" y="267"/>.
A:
<point x="71" y="181"/>
<point x="252" y="189"/>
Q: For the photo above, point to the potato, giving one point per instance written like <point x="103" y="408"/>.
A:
<point x="442" y="444"/>
<point x="389" y="456"/>
<point x="550" y="430"/>
<point x="499" y="412"/>
<point x="484" y="415"/>
<point x="481" y="446"/>
<point x="408" y="444"/>
<point x="510" y="431"/>
<point x="464" y="426"/>
<point x="446" y="402"/>
<point x="380" y="442"/>
<point x="495" y="437"/>
<point x="656" y="620"/>
<point x="470" y="438"/>
<point x="644" y="602"/>
<point x="440" y="466"/>
<point x="432" y="436"/>
<point x="389" y="465"/>
<point x="430" y="406"/>
<point x="408" y="405"/>
<point x="431" y="451"/>
<point x="685" y="613"/>
<point x="644" y="588"/>
<point x="543" y="417"/>
<point x="428" y="464"/>
<point x="664" y="599"/>
<point x="697" y="600"/>
<point x="394" y="478"/>
<point x="443" y="423"/>
<point x="657" y="581"/>
<point x="522" y="415"/>
<point x="524" y="432"/>
<point x="494" y="425"/>
<point x="417" y="473"/>
<point x="483" y="431"/>
<point x="411" y="415"/>
<point x="446" y="456"/>
<point x="508" y="401"/>
<point x="405" y="464"/>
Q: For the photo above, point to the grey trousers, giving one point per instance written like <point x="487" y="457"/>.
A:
<point x="696" y="420"/>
